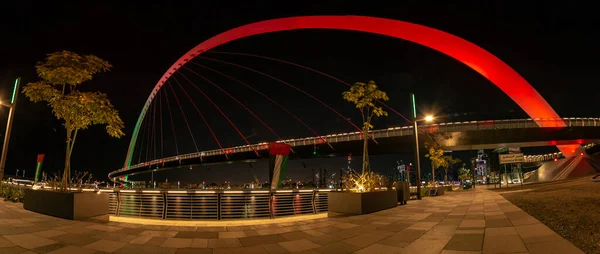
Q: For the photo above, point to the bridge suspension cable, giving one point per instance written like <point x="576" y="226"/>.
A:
<point x="266" y="97"/>
<point x="162" y="154"/>
<point x="236" y="100"/>
<point x="287" y="84"/>
<point x="310" y="69"/>
<point x="153" y="144"/>
<point x="184" y="118"/>
<point x="171" y="121"/>
<point x="200" y="113"/>
<point x="219" y="109"/>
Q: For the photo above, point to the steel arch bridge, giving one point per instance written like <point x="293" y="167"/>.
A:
<point x="480" y="60"/>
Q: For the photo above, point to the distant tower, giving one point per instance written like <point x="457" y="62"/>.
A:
<point x="481" y="164"/>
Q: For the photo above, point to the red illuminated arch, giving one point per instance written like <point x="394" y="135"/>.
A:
<point x="486" y="64"/>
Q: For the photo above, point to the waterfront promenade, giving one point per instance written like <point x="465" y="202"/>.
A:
<point x="474" y="221"/>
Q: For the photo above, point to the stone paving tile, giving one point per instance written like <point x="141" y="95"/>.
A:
<point x="49" y="233"/>
<point x="114" y="236"/>
<point x="73" y="239"/>
<point x="337" y="248"/>
<point x="380" y="248"/>
<point x="497" y="223"/>
<point x="468" y="242"/>
<point x="558" y="247"/>
<point x="325" y="239"/>
<point x="472" y="224"/>
<point x="199" y="243"/>
<point x="194" y="251"/>
<point x="5" y="243"/>
<point x="29" y="241"/>
<point x="202" y="234"/>
<point x="142" y="239"/>
<point x="259" y="240"/>
<point x="105" y="245"/>
<point x="224" y="243"/>
<point x="49" y="248"/>
<point x="242" y="250"/>
<point x="503" y="244"/>
<point x="297" y="235"/>
<point x="299" y="245"/>
<point x="274" y="248"/>
<point x="177" y="243"/>
<point x="231" y="234"/>
<point x="427" y="246"/>
<point x="156" y="241"/>
<point x="157" y="233"/>
<point x="182" y="228"/>
<point x="407" y="235"/>
<point x="13" y="249"/>
<point x="104" y="228"/>
<point x="423" y="225"/>
<point x="143" y="249"/>
<point x="459" y="252"/>
<point x="533" y="230"/>
<point x="365" y="240"/>
<point x="500" y="231"/>
<point x="132" y="231"/>
<point x="70" y="249"/>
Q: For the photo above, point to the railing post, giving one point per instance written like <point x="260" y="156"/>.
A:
<point x="271" y="196"/>
<point x="117" y="213"/>
<point x="219" y="205"/>
<point x="314" y="205"/>
<point x="164" y="213"/>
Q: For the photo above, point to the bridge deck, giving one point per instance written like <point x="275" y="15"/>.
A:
<point x="380" y="134"/>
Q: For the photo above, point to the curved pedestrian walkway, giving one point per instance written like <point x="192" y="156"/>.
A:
<point x="475" y="221"/>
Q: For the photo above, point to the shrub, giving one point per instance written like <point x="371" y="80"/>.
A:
<point x="11" y="192"/>
<point x="364" y="182"/>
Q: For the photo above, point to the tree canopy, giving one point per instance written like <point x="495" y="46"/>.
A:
<point x="364" y="96"/>
<point x="79" y="110"/>
<point x="68" y="68"/>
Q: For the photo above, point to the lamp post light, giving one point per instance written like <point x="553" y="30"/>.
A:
<point x="11" y="116"/>
<point x="428" y="118"/>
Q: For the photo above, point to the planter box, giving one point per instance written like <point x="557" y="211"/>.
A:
<point x="361" y="203"/>
<point x="67" y="205"/>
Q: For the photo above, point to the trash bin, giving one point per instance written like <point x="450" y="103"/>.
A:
<point x="403" y="192"/>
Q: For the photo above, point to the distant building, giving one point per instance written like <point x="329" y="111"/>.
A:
<point x="482" y="164"/>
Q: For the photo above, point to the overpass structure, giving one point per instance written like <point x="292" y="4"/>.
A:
<point x="469" y="135"/>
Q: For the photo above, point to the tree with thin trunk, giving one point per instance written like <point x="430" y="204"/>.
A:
<point x="61" y="75"/>
<point x="450" y="161"/>
<point x="435" y="153"/>
<point x="364" y="96"/>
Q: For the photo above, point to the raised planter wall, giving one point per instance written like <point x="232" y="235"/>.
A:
<point x="67" y="205"/>
<point x="361" y="203"/>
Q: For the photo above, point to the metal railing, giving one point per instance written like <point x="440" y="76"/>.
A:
<point x="386" y="133"/>
<point x="215" y="204"/>
<point x="550" y="156"/>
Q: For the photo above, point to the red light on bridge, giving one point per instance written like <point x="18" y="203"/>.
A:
<point x="581" y="154"/>
<point x="555" y="159"/>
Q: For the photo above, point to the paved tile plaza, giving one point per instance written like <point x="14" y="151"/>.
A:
<point x="477" y="221"/>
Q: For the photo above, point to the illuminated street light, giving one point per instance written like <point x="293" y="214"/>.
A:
<point x="11" y="116"/>
<point x="427" y="118"/>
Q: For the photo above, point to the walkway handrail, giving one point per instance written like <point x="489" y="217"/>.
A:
<point x="215" y="204"/>
<point x="389" y="132"/>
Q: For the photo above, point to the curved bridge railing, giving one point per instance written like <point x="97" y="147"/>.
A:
<point x="386" y="133"/>
<point x="215" y="204"/>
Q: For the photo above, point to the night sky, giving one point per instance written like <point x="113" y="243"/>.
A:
<point x="552" y="46"/>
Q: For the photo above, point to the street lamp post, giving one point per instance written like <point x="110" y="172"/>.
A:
<point x="11" y="116"/>
<point x="428" y="118"/>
